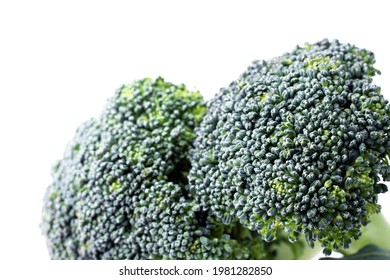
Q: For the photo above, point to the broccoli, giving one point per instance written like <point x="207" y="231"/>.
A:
<point x="121" y="191"/>
<point x="299" y="144"/>
<point x="293" y="152"/>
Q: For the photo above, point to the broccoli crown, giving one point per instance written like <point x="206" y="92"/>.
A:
<point x="298" y="143"/>
<point x="121" y="190"/>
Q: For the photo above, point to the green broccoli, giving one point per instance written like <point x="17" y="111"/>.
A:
<point x="121" y="191"/>
<point x="299" y="144"/>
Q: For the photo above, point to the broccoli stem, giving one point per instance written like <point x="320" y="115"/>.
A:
<point x="377" y="232"/>
<point x="299" y="250"/>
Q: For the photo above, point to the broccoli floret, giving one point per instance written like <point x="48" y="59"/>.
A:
<point x="298" y="143"/>
<point x="121" y="191"/>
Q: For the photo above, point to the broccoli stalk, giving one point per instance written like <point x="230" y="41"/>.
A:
<point x="374" y="241"/>
<point x="377" y="232"/>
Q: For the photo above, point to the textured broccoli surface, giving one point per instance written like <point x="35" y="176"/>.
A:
<point x="121" y="191"/>
<point x="298" y="143"/>
<point x="297" y="146"/>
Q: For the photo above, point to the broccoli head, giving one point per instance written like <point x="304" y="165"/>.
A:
<point x="121" y="191"/>
<point x="298" y="143"/>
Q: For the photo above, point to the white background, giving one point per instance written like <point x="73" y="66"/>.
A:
<point x="61" y="60"/>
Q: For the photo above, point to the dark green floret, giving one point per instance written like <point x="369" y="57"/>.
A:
<point x="121" y="191"/>
<point x="298" y="143"/>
